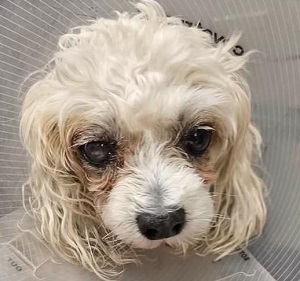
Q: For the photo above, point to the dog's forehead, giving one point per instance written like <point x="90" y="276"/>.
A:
<point x="151" y="101"/>
<point x="157" y="105"/>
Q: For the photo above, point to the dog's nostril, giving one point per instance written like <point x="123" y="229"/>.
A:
<point x="151" y="233"/>
<point x="155" y="227"/>
<point x="177" y="228"/>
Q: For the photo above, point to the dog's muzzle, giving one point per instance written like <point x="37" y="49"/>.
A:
<point x="156" y="227"/>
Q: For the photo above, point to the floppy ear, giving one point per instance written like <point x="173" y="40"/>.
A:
<point x="64" y="211"/>
<point x="239" y="199"/>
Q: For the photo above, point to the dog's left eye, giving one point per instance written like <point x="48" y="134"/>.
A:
<point x="197" y="140"/>
<point x="97" y="153"/>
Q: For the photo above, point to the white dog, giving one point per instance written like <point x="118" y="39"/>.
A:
<point x="141" y="135"/>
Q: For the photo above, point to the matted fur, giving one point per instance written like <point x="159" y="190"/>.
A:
<point x="141" y="80"/>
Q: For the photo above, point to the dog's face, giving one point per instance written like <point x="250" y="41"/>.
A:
<point x="151" y="159"/>
<point x="141" y="135"/>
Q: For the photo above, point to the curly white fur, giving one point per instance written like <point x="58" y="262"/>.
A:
<point x="141" y="79"/>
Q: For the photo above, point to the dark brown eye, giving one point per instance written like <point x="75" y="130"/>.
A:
<point x="197" y="140"/>
<point x="98" y="153"/>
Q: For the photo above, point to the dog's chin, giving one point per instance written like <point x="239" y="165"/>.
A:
<point x="149" y="245"/>
<point x="173" y="243"/>
<point x="146" y="244"/>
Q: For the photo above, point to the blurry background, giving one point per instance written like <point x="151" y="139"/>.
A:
<point x="28" y="35"/>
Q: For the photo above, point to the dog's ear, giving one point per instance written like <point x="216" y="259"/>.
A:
<point x="44" y="134"/>
<point x="64" y="212"/>
<point x="239" y="191"/>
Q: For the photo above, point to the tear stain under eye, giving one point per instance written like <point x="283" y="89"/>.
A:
<point x="101" y="185"/>
<point x="97" y="180"/>
<point x="209" y="177"/>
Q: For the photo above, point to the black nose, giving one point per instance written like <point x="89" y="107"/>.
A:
<point x="155" y="227"/>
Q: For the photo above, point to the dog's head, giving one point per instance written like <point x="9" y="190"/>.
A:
<point x="140" y="135"/>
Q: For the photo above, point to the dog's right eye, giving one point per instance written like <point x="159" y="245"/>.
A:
<point x="98" y="153"/>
